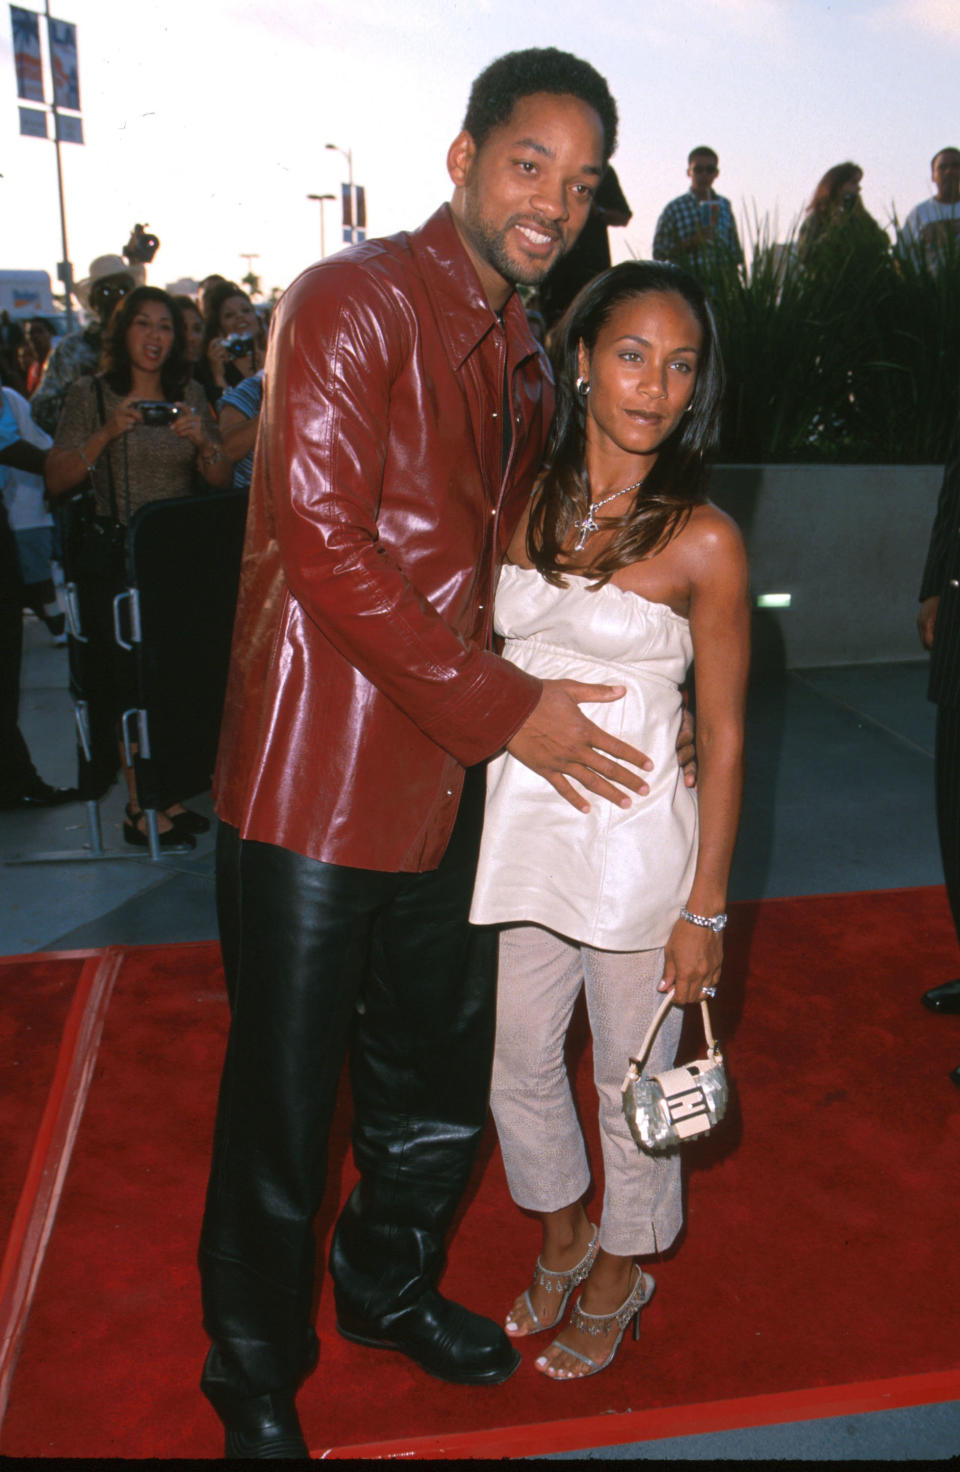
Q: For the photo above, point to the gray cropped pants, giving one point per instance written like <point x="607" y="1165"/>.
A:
<point x="540" y="1136"/>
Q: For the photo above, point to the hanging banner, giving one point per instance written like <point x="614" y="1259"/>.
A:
<point x="69" y="130"/>
<point x="26" y="54"/>
<point x="33" y="122"/>
<point x="62" y="35"/>
<point x="354" y="205"/>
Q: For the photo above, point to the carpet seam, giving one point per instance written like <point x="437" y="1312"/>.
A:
<point x="53" y="1147"/>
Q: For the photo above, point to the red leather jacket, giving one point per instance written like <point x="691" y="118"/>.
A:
<point x="362" y="680"/>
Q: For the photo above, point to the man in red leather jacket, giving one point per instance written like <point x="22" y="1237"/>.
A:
<point x="405" y="411"/>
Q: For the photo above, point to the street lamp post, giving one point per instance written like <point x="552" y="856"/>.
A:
<point x="321" y="200"/>
<point x="347" y="153"/>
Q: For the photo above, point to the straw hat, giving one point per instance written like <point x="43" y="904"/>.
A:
<point x="107" y="266"/>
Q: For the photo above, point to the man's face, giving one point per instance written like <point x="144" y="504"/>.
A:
<point x="105" y="293"/>
<point x="523" y="197"/>
<point x="701" y="171"/>
<point x="946" y="176"/>
<point x="38" y="336"/>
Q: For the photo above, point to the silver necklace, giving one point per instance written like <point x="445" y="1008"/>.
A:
<point x="589" y="524"/>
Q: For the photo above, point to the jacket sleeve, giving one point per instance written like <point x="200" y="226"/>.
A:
<point x="328" y="383"/>
<point x="946" y="523"/>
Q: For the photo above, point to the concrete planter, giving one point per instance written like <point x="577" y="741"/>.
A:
<point x="847" y="543"/>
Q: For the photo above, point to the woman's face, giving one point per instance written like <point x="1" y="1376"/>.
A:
<point x="150" y="337"/>
<point x="237" y="315"/>
<point x="642" y="372"/>
<point x="193" y="323"/>
<point x="848" y="194"/>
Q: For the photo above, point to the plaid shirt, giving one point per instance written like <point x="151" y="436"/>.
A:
<point x="681" y="219"/>
<point x="76" y="354"/>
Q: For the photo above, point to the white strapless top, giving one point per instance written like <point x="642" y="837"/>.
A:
<point x="613" y="878"/>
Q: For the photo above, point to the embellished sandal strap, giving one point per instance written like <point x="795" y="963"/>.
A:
<point x="534" y="1317"/>
<point x="562" y="1282"/>
<point x="603" y="1323"/>
<point x="583" y="1358"/>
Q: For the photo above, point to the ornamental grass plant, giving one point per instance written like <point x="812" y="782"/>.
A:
<point x="852" y="357"/>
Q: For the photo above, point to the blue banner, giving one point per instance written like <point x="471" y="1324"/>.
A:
<point x="354" y="206"/>
<point x="33" y="122"/>
<point x="26" y="55"/>
<point x="69" y="129"/>
<point x="62" y="35"/>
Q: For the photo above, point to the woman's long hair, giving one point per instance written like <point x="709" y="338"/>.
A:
<point x="677" y="481"/>
<point x="213" y="303"/>
<point x="827" y="192"/>
<point x="115" y="362"/>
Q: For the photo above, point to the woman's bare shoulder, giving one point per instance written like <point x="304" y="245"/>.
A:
<point x="710" y="532"/>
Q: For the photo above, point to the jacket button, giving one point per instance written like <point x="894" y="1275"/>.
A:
<point x="495" y="414"/>
<point x="954" y="583"/>
<point x="449" y="791"/>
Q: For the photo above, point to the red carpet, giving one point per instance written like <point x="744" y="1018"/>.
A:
<point x="817" y="1275"/>
<point x="35" y="997"/>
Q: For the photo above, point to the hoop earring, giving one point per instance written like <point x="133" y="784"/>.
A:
<point x="582" y="387"/>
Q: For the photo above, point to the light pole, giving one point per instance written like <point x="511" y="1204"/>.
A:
<point x="321" y="200"/>
<point x="249" y="256"/>
<point x="348" y="155"/>
<point x="64" y="267"/>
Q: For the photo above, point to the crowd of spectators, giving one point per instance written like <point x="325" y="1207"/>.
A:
<point x="77" y="427"/>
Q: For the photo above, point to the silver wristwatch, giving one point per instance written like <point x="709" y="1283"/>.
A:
<point x="715" y="923"/>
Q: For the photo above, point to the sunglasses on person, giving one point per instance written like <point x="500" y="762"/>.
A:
<point x="105" y="291"/>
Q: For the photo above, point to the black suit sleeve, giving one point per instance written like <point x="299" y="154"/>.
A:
<point x="945" y="536"/>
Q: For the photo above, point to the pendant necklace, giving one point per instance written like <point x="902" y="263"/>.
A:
<point x="589" y="524"/>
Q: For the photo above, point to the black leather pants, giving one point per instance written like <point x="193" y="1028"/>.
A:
<point x="319" y="956"/>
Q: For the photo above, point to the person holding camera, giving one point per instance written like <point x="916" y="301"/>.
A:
<point x="836" y="220"/>
<point x="139" y="431"/>
<point x="235" y="341"/>
<point x="697" y="230"/>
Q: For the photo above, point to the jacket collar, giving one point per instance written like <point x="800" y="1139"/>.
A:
<point x="464" y="316"/>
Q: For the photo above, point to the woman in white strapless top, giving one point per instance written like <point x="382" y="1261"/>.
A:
<point x="622" y="574"/>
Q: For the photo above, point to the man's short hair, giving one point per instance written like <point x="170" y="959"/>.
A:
<point x="539" y="69"/>
<point x="933" y="161"/>
<point x="702" y="152"/>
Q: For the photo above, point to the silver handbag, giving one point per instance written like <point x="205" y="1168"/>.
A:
<point x="682" y="1104"/>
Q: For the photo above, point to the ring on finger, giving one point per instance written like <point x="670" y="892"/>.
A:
<point x="708" y="991"/>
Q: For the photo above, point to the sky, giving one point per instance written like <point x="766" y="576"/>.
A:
<point x="207" y="119"/>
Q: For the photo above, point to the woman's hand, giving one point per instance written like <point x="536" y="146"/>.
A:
<point x="217" y="358"/>
<point x="189" y="426"/>
<point x="693" y="957"/>
<point x="927" y="620"/>
<point x="123" y="418"/>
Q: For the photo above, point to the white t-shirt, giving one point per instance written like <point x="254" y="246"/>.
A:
<point x="929" y="224"/>
<point x="23" y="493"/>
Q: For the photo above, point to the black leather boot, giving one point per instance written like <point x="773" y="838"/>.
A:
<point x="258" y="1427"/>
<point x="442" y="1337"/>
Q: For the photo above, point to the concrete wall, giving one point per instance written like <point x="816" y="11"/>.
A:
<point x="847" y="542"/>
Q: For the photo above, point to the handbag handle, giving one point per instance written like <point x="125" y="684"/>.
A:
<point x="662" y="1011"/>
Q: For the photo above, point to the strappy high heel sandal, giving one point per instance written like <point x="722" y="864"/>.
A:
<point x="554" y="1282"/>
<point x="640" y="1295"/>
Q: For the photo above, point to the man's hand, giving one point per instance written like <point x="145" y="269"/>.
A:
<point x="687" y="747"/>
<point x="926" y="620"/>
<point x="558" y="741"/>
